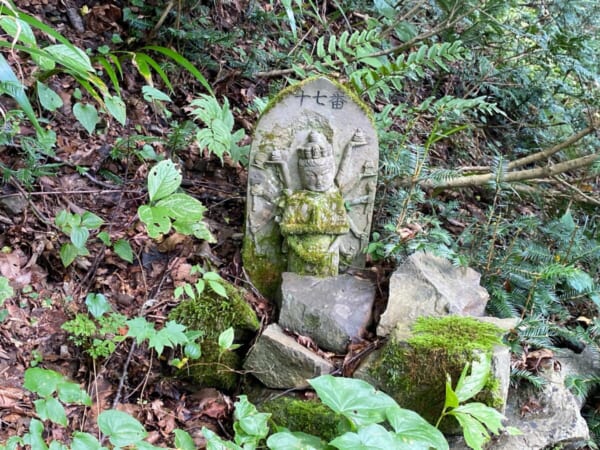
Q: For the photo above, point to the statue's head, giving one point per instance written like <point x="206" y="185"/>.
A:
<point x="316" y="163"/>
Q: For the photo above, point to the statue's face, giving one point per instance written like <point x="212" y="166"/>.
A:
<point x="317" y="179"/>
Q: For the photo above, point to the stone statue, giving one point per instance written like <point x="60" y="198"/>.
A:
<point x="311" y="185"/>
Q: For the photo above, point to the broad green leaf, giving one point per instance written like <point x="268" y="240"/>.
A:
<point x="51" y="409"/>
<point x="55" y="445"/>
<point x="226" y="338"/>
<point x="218" y="288"/>
<point x="105" y="238"/>
<point x="183" y="207"/>
<point x="79" y="236"/>
<point x="295" y="441"/>
<point x="198" y="229"/>
<point x="487" y="415"/>
<point x="34" y="438"/>
<point x="91" y="221"/>
<point x="6" y="290"/>
<point x="192" y="350"/>
<point x="214" y="441"/>
<point x="156" y="219"/>
<point x="412" y="429"/>
<point x="68" y="253"/>
<point x="123" y="249"/>
<point x="451" y="397"/>
<point x="250" y="425"/>
<point x="163" y="180"/>
<point x="43" y="382"/>
<point x="49" y="99"/>
<point x="183" y="440"/>
<point x="116" y="108"/>
<point x="140" y="329"/>
<point x="18" y="29"/>
<point x="371" y="437"/>
<point x="97" y="304"/>
<point x="474" y="432"/>
<point x="87" y="116"/>
<point x="71" y="57"/>
<point x="84" y="441"/>
<point x="212" y="276"/>
<point x="470" y="385"/>
<point x="122" y="429"/>
<point x="72" y="393"/>
<point x="151" y="94"/>
<point x="355" y="399"/>
<point x="171" y="335"/>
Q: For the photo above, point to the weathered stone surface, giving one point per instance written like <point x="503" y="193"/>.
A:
<point x="427" y="285"/>
<point x="279" y="362"/>
<point x="332" y="311"/>
<point x="314" y="154"/>
<point x="548" y="418"/>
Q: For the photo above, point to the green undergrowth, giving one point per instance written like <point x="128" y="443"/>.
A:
<point x="414" y="369"/>
<point x="214" y="314"/>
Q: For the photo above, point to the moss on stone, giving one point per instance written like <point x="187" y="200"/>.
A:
<point x="308" y="416"/>
<point x="213" y="314"/>
<point x="264" y="270"/>
<point x="413" y="370"/>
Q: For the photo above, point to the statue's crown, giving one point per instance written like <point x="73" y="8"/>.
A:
<point x="316" y="147"/>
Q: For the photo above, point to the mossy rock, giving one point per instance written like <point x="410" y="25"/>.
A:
<point x="212" y="314"/>
<point x="412" y="367"/>
<point x="308" y="416"/>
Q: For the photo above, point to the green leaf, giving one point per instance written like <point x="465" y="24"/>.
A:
<point x="55" y="445"/>
<point x="192" y="350"/>
<point x="412" y="429"/>
<point x="183" y="440"/>
<point x="49" y="99"/>
<point x="294" y="441"/>
<point x="474" y="432"/>
<point x="151" y="93"/>
<point x="91" y="221"/>
<point x="51" y="409"/>
<point x="218" y="288"/>
<point x="214" y="441"/>
<point x="71" y="57"/>
<point x="250" y="425"/>
<point x="183" y="207"/>
<point x="79" y="236"/>
<point x="487" y="415"/>
<point x="123" y="249"/>
<point x="140" y="329"/>
<point x="170" y="335"/>
<point x="163" y="180"/>
<point x="371" y="437"/>
<point x="116" y="108"/>
<point x="469" y="386"/>
<point x="451" y="397"/>
<point x="70" y="392"/>
<point x="43" y="382"/>
<point x="105" y="238"/>
<point x="183" y="62"/>
<point x="122" y="429"/>
<point x="87" y="116"/>
<point x="97" y="304"/>
<point x="34" y="437"/>
<point x="355" y="399"/>
<point x="226" y="338"/>
<point x="156" y="219"/>
<point x="84" y="441"/>
<point x="18" y="29"/>
<point x="6" y="290"/>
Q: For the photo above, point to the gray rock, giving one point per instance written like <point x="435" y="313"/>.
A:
<point x="427" y="285"/>
<point x="332" y="311"/>
<point x="547" y="417"/>
<point x="279" y="362"/>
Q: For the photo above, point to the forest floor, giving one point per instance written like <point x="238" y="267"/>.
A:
<point x="48" y="294"/>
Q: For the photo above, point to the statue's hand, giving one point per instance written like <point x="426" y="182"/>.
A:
<point x="276" y="156"/>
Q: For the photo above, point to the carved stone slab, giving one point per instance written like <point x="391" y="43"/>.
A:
<point x="311" y="184"/>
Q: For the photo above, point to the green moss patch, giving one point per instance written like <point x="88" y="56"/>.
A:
<point x="213" y="314"/>
<point x="414" y="370"/>
<point x="308" y="416"/>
